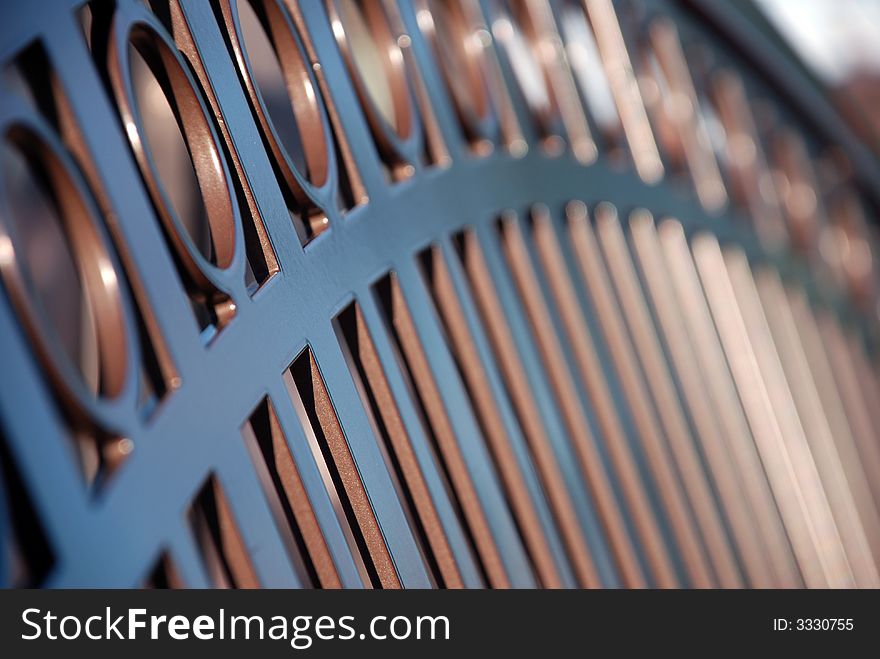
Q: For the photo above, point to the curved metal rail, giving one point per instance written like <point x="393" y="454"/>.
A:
<point x="519" y="293"/>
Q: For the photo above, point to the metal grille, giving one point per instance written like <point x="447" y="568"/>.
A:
<point x="465" y="293"/>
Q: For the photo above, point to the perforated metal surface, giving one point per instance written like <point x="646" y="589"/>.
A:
<point x="550" y="310"/>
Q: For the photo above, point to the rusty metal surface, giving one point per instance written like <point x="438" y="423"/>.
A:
<point x="478" y="293"/>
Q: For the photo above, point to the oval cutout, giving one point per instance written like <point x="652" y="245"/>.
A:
<point x="185" y="170"/>
<point x="58" y="270"/>
<point x="458" y="51"/>
<point x="168" y="148"/>
<point x="285" y="89"/>
<point x="375" y="58"/>
<point x="44" y="254"/>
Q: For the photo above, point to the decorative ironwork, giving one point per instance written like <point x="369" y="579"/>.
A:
<point x="471" y="293"/>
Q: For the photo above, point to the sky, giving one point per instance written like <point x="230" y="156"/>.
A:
<point x="835" y="37"/>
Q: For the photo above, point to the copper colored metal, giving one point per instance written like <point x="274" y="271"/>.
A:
<point x="586" y="65"/>
<point x="514" y="30"/>
<point x="436" y="149"/>
<point x="493" y="427"/>
<point x="683" y="109"/>
<point x="511" y="129"/>
<point x="848" y="245"/>
<point x="351" y="480"/>
<point x="856" y="523"/>
<point x="712" y="359"/>
<point x="652" y="443"/>
<point x="288" y="477"/>
<point x="853" y="396"/>
<point x="709" y="429"/>
<point x="94" y="409"/>
<point x="314" y="184"/>
<point x="750" y="176"/>
<point x="403" y="451"/>
<point x="460" y="56"/>
<point x="671" y="416"/>
<point x="165" y="575"/>
<point x="548" y="47"/>
<point x="295" y="294"/>
<point x="768" y="404"/>
<point x="864" y="364"/>
<point x="517" y="384"/>
<point x="348" y="162"/>
<point x="74" y="139"/>
<point x="92" y="256"/>
<point x="448" y="443"/>
<point x="227" y="559"/>
<point x="625" y="88"/>
<point x="184" y="40"/>
<point x="207" y="278"/>
<point x="858" y="469"/>
<point x="799" y="191"/>
<point x="377" y="67"/>
<point x="587" y="363"/>
<point x="463" y="46"/>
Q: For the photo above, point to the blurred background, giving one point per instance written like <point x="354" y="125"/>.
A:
<point x="839" y="40"/>
<point x="259" y="327"/>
